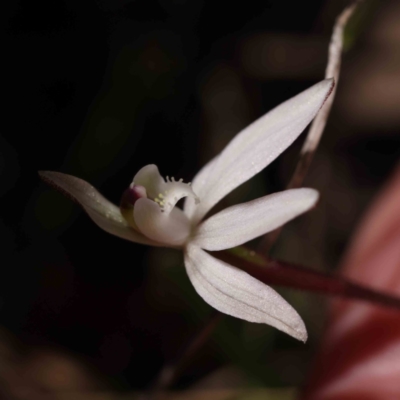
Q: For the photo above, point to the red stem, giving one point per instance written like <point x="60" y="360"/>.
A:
<point x="275" y="272"/>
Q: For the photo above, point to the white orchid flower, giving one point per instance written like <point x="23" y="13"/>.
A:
<point x="148" y="214"/>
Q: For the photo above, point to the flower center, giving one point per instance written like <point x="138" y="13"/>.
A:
<point x="172" y="193"/>
<point x="150" y="185"/>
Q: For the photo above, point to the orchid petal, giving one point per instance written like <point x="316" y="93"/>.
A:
<point x="104" y="213"/>
<point x="234" y="292"/>
<point x="239" y="224"/>
<point x="260" y="143"/>
<point x="171" y="229"/>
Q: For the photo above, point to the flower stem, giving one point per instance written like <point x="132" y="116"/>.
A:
<point x="317" y="127"/>
<point x="275" y="272"/>
<point x="172" y="371"/>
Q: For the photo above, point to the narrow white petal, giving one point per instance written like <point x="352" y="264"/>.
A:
<point x="260" y="143"/>
<point x="104" y="213"/>
<point x="239" y="224"/>
<point x="171" y="229"/>
<point x="234" y="292"/>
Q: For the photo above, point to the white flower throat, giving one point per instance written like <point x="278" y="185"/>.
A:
<point x="156" y="199"/>
<point x="148" y="183"/>
<point x="175" y="191"/>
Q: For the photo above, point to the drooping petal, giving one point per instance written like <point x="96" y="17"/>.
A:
<point x="104" y="213"/>
<point x="234" y="292"/>
<point x="239" y="224"/>
<point x="260" y="143"/>
<point x="171" y="229"/>
<point x="166" y="194"/>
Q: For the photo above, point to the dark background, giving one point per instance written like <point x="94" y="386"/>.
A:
<point x="98" y="89"/>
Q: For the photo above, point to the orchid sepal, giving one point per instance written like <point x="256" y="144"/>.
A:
<point x="103" y="213"/>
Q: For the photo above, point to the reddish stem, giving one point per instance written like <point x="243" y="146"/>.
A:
<point x="275" y="272"/>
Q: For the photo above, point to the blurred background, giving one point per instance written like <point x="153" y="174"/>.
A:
<point x="98" y="89"/>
